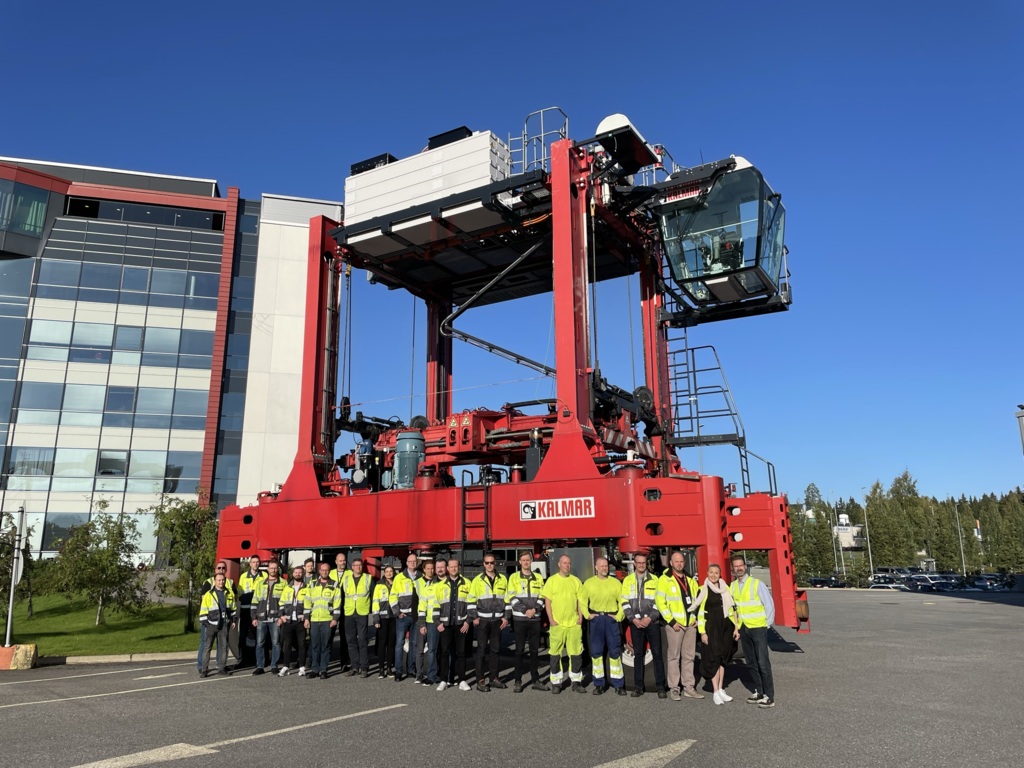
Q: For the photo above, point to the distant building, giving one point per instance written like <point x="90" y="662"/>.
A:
<point x="134" y="336"/>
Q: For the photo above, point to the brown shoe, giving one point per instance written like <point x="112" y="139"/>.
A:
<point x="692" y="693"/>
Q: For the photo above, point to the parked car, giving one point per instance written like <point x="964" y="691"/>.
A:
<point x="891" y="587"/>
<point x="991" y="582"/>
<point x="830" y="583"/>
<point x="883" y="578"/>
<point x="898" y="573"/>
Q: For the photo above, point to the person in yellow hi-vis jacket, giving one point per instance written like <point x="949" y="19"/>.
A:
<point x="355" y="589"/>
<point x="383" y="617"/>
<point x="562" y="603"/>
<point x="755" y="612"/>
<point x="676" y="590"/>
<point x="602" y="607"/>
<point x="487" y="612"/>
<point x="323" y="610"/>
<point x="217" y="613"/>
<point x="640" y="604"/>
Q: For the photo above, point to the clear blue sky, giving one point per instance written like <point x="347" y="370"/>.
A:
<point x="892" y="130"/>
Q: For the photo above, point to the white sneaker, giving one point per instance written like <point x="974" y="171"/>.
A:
<point x="441" y="686"/>
<point x="464" y="686"/>
<point x="717" y="697"/>
<point x="724" y="696"/>
<point x="302" y="671"/>
<point x="283" y="672"/>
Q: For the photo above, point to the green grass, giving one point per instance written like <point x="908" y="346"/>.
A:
<point x="60" y="627"/>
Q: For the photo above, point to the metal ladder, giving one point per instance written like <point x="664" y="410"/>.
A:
<point x="476" y="515"/>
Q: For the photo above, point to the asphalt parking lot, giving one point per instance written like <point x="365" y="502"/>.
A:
<point x="887" y="679"/>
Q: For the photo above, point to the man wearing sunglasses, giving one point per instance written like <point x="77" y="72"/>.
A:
<point x="487" y="612"/>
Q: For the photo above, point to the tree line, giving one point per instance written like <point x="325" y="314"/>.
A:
<point x="905" y="527"/>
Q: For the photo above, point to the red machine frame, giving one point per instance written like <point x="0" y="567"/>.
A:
<point x="584" y="492"/>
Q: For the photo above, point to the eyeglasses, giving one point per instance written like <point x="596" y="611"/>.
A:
<point x="488" y="562"/>
<point x="221" y="568"/>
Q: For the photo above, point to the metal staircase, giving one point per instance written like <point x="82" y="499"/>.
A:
<point x="704" y="412"/>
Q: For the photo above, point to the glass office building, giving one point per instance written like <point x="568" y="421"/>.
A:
<point x="126" y="311"/>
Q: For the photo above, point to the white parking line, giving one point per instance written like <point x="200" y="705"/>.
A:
<point x="181" y="751"/>
<point x="315" y="723"/>
<point x="92" y="674"/>
<point x="114" y="693"/>
<point x="652" y="758"/>
<point x="157" y="677"/>
<point x="151" y="756"/>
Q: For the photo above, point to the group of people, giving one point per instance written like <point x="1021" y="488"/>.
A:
<point x="422" y="616"/>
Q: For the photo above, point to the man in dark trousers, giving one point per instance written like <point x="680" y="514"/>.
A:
<point x="526" y="606"/>
<point x="755" y="610"/>
<point x="217" y="613"/>
<point x="639" y="603"/>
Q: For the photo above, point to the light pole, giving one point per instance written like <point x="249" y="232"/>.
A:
<point x="867" y="532"/>
<point x="842" y="559"/>
<point x="835" y="532"/>
<point x="16" y="566"/>
<point x="1020" y="423"/>
<point x="960" y="536"/>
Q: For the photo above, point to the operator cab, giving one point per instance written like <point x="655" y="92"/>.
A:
<point x="723" y="228"/>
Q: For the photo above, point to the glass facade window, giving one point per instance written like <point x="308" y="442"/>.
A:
<point x="58" y="527"/>
<point x="115" y="406"/>
<point x="93" y="335"/>
<point x="182" y="471"/>
<point x="107" y="276"/>
<point x="130" y="264"/>
<point x="135" y="279"/>
<point x="128" y="337"/>
<point x="62" y="341"/>
<point x="189" y="218"/>
<point x="74" y="462"/>
<point x="84" y="397"/>
<point x="147" y="464"/>
<point x="121" y="399"/>
<point x="41" y="395"/>
<point x="22" y="208"/>
<point x="50" y="332"/>
<point x="12" y="332"/>
<point x="161" y="340"/>
<point x="30" y="461"/>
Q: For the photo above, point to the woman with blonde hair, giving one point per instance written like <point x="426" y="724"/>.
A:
<point x="718" y="628"/>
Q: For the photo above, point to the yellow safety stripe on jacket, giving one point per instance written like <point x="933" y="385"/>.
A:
<point x="293" y="603"/>
<point x="523" y="593"/>
<point x="381" y="605"/>
<point x="247" y="582"/>
<point x="443" y="596"/>
<point x="268" y="605"/>
<point x="209" y="608"/>
<point x="323" y="602"/>
<point x="405" y="594"/>
<point x="702" y="614"/>
<point x="427" y="596"/>
<point x="487" y="601"/>
<point x="636" y="605"/>
<point x="356" y="593"/>
<point x="672" y="602"/>
<point x="749" y="608"/>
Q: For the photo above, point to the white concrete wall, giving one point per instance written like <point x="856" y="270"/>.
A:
<point x="273" y="391"/>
